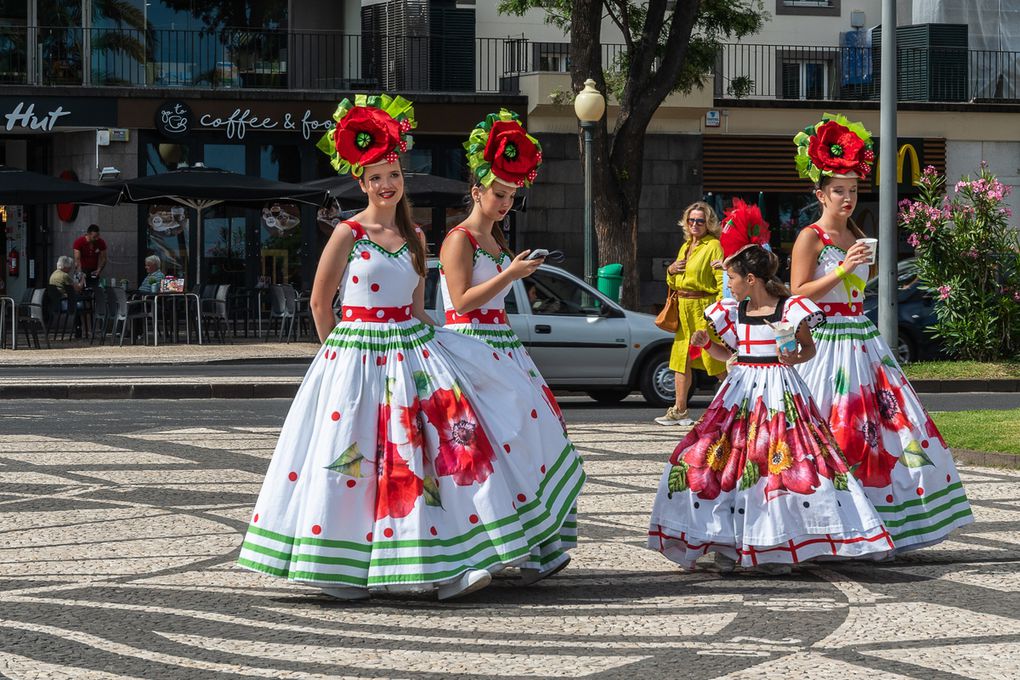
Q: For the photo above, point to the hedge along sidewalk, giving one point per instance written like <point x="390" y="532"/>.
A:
<point x="964" y="376"/>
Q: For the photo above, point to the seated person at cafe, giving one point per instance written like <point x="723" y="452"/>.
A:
<point x="61" y="279"/>
<point x="153" y="275"/>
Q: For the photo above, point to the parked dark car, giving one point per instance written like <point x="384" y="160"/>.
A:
<point x="916" y="315"/>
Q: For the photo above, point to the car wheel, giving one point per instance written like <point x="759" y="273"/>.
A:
<point x="905" y="351"/>
<point x="656" y="380"/>
<point x="608" y="396"/>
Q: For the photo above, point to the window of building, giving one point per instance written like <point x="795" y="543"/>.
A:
<point x="808" y="7"/>
<point x="552" y="57"/>
<point x="805" y="79"/>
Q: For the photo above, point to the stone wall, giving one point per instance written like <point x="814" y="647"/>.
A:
<point x="118" y="226"/>
<point x="555" y="207"/>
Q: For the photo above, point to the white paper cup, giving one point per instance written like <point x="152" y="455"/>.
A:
<point x="786" y="336"/>
<point x="872" y="244"/>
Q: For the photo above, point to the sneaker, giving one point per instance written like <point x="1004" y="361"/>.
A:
<point x="674" y="417"/>
<point x="348" y="593"/>
<point x="530" y="576"/>
<point x="476" y="579"/>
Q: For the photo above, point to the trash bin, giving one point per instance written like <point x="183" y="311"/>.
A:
<point x="610" y="280"/>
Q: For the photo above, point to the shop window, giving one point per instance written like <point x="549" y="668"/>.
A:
<point x="280" y="228"/>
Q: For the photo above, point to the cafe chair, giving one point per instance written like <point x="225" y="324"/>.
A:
<point x="129" y="312"/>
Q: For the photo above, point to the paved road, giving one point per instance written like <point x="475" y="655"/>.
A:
<point x="120" y="522"/>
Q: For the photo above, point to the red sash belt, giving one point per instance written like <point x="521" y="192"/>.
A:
<point x="841" y="309"/>
<point x="493" y="316"/>
<point x="376" y="314"/>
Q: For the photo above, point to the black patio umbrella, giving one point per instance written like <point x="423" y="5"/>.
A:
<point x="200" y="187"/>
<point x="424" y="190"/>
<point x="23" y="187"/>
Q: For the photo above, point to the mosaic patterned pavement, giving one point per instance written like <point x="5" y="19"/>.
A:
<point x="119" y="530"/>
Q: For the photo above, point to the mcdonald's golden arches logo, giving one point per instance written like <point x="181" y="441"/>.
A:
<point x="915" y="165"/>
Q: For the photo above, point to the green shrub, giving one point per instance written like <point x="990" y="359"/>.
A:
<point x="968" y="257"/>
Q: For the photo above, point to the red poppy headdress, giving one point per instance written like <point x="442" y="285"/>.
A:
<point x="743" y="227"/>
<point x="371" y="129"/>
<point x="834" y="147"/>
<point x="500" y="148"/>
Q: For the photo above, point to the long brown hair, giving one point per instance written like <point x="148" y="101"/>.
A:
<point x="763" y="264"/>
<point x="497" y="230"/>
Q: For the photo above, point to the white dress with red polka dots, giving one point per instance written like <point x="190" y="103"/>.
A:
<point x="406" y="459"/>
<point x="888" y="438"/>
<point x="759" y="478"/>
<point x="489" y="324"/>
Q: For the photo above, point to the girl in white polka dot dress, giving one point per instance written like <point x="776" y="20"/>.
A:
<point x="478" y="270"/>
<point x="407" y="460"/>
<point x="893" y="446"/>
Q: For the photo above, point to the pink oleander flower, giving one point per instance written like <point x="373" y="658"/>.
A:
<point x="944" y="292"/>
<point x="913" y="240"/>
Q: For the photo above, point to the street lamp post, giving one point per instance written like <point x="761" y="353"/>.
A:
<point x="590" y="106"/>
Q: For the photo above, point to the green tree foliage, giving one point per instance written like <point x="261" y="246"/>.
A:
<point x="669" y="47"/>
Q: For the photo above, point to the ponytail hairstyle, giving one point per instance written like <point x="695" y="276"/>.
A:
<point x="763" y="264"/>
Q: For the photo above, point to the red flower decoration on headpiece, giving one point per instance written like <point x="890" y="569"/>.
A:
<point x="837" y="149"/>
<point x="365" y="135"/>
<point x="509" y="151"/>
<point x="743" y="227"/>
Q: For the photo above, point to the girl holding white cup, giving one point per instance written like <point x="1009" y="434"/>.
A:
<point x="888" y="438"/>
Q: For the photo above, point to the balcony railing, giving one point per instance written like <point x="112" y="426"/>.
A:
<point x="931" y="74"/>
<point x="317" y="60"/>
<point x="273" y="59"/>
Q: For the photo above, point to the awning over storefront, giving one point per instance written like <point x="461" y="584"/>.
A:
<point x="22" y="187"/>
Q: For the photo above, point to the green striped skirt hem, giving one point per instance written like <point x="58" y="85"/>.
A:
<point x="508" y="540"/>
<point x="929" y="518"/>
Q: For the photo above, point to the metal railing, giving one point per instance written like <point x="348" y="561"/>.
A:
<point x="274" y="59"/>
<point x="932" y="74"/>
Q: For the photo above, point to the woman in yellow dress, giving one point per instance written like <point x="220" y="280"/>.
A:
<point x="697" y="284"/>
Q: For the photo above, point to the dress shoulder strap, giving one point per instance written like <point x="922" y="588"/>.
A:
<point x="356" y="229"/>
<point x="821" y="234"/>
<point x="470" y="236"/>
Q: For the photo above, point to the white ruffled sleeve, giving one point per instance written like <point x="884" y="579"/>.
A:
<point x="800" y="309"/>
<point x="723" y="317"/>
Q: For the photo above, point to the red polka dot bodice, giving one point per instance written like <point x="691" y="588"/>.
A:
<point x="484" y="267"/>
<point x="376" y="277"/>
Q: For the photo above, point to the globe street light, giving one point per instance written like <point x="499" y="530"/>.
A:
<point x="590" y="106"/>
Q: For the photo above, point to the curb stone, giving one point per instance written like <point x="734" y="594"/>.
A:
<point x="993" y="459"/>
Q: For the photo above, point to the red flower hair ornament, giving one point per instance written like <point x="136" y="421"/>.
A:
<point x="743" y="227"/>
<point x="834" y="147"/>
<point x="499" y="148"/>
<point x="372" y="129"/>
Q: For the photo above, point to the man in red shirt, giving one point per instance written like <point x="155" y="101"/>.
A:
<point x="90" y="255"/>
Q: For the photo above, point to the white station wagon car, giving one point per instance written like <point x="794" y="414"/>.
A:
<point x="580" y="339"/>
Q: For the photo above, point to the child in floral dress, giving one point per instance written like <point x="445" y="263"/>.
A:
<point x="890" y="441"/>
<point x="407" y="460"/>
<point x="477" y="270"/>
<point x="759" y="480"/>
